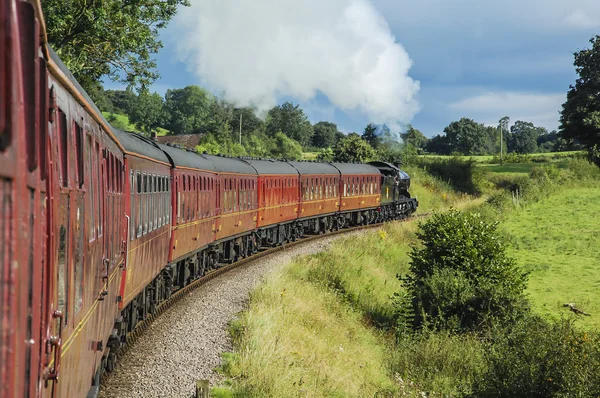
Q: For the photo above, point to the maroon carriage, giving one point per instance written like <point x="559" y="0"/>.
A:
<point x="278" y="191"/>
<point x="23" y="172"/>
<point x="319" y="195"/>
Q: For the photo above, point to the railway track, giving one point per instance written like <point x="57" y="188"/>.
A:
<point x="143" y="326"/>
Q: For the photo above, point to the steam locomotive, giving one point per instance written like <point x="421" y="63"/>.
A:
<point x="100" y="226"/>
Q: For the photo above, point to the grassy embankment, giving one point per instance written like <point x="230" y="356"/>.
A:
<point x="321" y="326"/>
<point x="309" y="329"/>
<point x="122" y="122"/>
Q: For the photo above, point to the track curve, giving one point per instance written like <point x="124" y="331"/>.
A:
<point x="122" y="382"/>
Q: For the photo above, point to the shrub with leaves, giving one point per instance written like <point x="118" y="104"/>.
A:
<point x="461" y="276"/>
<point x="540" y="358"/>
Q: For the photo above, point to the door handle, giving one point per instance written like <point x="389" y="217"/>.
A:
<point x="55" y="343"/>
<point x="104" y="291"/>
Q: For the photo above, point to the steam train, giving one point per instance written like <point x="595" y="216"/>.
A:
<point x="100" y="226"/>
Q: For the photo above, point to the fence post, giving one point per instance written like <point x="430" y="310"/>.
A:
<point x="202" y="389"/>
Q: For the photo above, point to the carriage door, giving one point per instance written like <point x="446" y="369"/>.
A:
<point x="61" y="275"/>
<point x="106" y="201"/>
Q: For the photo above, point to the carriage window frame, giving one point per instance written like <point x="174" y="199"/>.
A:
<point x="63" y="133"/>
<point x="132" y="220"/>
<point x="79" y="153"/>
<point x="100" y="218"/>
<point x="90" y="194"/>
<point x="140" y="220"/>
<point x="144" y="203"/>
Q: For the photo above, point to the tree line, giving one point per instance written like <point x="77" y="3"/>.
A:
<point x="286" y="131"/>
<point x="116" y="40"/>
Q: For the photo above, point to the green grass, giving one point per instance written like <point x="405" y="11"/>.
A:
<point x="308" y="330"/>
<point x="309" y="156"/>
<point x="122" y="122"/>
<point x="483" y="158"/>
<point x="520" y="168"/>
<point x="298" y="338"/>
<point x="557" y="240"/>
<point x="487" y="158"/>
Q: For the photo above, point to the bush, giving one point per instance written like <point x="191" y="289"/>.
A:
<point x="462" y="277"/>
<point x="538" y="358"/>
<point x="441" y="363"/>
<point x="463" y="175"/>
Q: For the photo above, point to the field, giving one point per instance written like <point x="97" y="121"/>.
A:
<point x="488" y="158"/>
<point x="519" y="168"/>
<point x="557" y="240"/>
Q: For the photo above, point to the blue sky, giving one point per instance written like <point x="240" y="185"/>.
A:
<point x="478" y="59"/>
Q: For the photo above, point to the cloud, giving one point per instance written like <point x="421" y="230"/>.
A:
<point x="579" y="19"/>
<point x="489" y="107"/>
<point x="255" y="52"/>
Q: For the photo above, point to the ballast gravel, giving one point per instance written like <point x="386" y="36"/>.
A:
<point x="185" y="343"/>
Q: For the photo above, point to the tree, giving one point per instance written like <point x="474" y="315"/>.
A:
<point x="580" y="116"/>
<point x="109" y="37"/>
<point x="370" y="135"/>
<point x="188" y="109"/>
<point x="414" y="137"/>
<point x="123" y="101"/>
<point x="148" y="113"/>
<point x="461" y="275"/>
<point x="439" y="145"/>
<point x="285" y="147"/>
<point x="290" y="120"/>
<point x="324" y="134"/>
<point x="466" y="136"/>
<point x="523" y="137"/>
<point x="101" y="98"/>
<point x="325" y="155"/>
<point x="353" y="148"/>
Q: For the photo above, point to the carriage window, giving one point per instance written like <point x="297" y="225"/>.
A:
<point x="159" y="207"/>
<point x="109" y="173"/>
<point x="140" y="221"/>
<point x="63" y="270"/>
<point x="78" y="269"/>
<point x="144" y="203"/>
<point x="132" y="196"/>
<point x="90" y="194"/>
<point x="155" y="201"/>
<point x="167" y="199"/>
<point x="79" y="149"/>
<point x="98" y="190"/>
<point x="64" y="145"/>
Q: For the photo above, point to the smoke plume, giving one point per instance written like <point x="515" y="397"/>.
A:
<point x="256" y="51"/>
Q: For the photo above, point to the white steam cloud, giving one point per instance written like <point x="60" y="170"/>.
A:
<point x="256" y="51"/>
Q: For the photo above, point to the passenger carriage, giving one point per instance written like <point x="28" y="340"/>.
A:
<point x="359" y="190"/>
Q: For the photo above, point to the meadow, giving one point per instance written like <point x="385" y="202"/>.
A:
<point x="557" y="241"/>
<point x="490" y="158"/>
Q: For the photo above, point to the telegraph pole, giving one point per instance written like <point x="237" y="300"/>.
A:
<point x="241" y="114"/>
<point x="501" y="128"/>
<point x="503" y="124"/>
